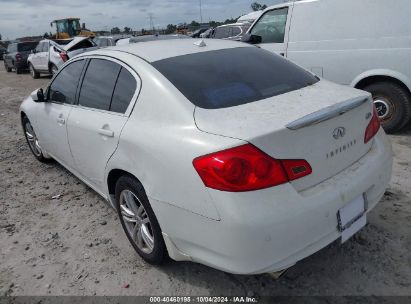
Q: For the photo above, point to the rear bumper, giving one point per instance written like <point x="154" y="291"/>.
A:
<point x="22" y="64"/>
<point x="270" y="230"/>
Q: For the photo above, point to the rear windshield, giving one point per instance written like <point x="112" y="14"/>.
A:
<point x="232" y="77"/>
<point x="27" y="46"/>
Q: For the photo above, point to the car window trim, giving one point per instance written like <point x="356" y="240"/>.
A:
<point x="136" y="76"/>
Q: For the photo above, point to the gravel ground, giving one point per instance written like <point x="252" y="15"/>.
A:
<point x="74" y="244"/>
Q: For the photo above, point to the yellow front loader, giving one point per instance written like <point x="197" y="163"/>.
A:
<point x="70" y="27"/>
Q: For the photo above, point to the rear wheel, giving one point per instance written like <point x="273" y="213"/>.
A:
<point x="138" y="220"/>
<point x="53" y="69"/>
<point x="32" y="140"/>
<point x="33" y="72"/>
<point x="393" y="104"/>
<point x="7" y="67"/>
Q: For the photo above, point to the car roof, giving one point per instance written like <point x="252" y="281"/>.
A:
<point x="162" y="49"/>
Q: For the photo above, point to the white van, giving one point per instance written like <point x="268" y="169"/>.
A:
<point x="365" y="44"/>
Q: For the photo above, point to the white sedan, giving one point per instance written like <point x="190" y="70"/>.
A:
<point x="214" y="151"/>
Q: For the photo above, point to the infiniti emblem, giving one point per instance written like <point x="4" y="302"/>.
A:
<point x="339" y="132"/>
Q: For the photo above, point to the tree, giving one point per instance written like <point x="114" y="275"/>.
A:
<point x="194" y="23"/>
<point x="171" y="28"/>
<point x="0" y="36"/>
<point x="255" y="6"/>
<point x="115" y="30"/>
<point x="46" y="35"/>
<point x="127" y="30"/>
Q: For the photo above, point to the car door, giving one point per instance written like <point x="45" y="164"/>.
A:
<point x="273" y="27"/>
<point x="52" y="115"/>
<point x="35" y="57"/>
<point x="105" y="100"/>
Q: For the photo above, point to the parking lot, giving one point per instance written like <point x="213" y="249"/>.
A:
<point x="58" y="237"/>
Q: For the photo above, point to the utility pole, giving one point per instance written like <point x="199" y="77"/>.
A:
<point x="201" y="14"/>
<point x="150" y="15"/>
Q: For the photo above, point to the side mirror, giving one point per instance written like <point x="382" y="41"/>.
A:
<point x="34" y="51"/>
<point x="38" y="96"/>
<point x="251" y="39"/>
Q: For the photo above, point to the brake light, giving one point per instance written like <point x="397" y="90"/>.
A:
<point x="18" y="57"/>
<point x="372" y="127"/>
<point x="246" y="168"/>
<point x="63" y="56"/>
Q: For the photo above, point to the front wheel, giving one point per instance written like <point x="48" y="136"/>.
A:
<point x="138" y="220"/>
<point x="393" y="104"/>
<point x="32" y="140"/>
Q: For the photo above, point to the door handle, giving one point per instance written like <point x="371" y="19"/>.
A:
<point x="105" y="132"/>
<point x="61" y="121"/>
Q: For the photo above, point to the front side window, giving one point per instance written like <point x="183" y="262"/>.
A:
<point x="232" y="77"/>
<point x="63" y="88"/>
<point x="271" y="26"/>
<point x="98" y="84"/>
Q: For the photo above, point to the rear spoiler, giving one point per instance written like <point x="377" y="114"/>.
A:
<point x="327" y="113"/>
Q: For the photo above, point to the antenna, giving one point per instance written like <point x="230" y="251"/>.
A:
<point x="201" y="13"/>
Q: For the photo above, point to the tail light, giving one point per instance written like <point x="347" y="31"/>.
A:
<point x="18" y="57"/>
<point x="63" y="56"/>
<point x="372" y="127"/>
<point x="246" y="168"/>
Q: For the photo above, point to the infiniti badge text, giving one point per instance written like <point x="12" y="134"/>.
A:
<point x="342" y="148"/>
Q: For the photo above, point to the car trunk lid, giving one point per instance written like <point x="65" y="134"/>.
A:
<point x="323" y="124"/>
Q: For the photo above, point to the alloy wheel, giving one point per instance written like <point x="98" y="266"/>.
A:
<point x="385" y="108"/>
<point x="32" y="139"/>
<point x="136" y="221"/>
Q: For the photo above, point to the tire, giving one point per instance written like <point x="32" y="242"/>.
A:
<point x="129" y="191"/>
<point x="7" y="67"/>
<point x="393" y="105"/>
<point x="33" y="72"/>
<point x="53" y="69"/>
<point x="18" y="71"/>
<point x="32" y="140"/>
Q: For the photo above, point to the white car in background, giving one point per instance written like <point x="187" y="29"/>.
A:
<point x="49" y="54"/>
<point x="247" y="166"/>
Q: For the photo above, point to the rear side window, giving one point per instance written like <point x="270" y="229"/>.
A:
<point x="12" y="48"/>
<point x="222" y="32"/>
<point x="124" y="91"/>
<point x="83" y="45"/>
<point x="64" y="86"/>
<point x="232" y="77"/>
<point x="26" y="46"/>
<point x="271" y="26"/>
<point x="98" y="84"/>
<point x="236" y="31"/>
<point x="45" y="47"/>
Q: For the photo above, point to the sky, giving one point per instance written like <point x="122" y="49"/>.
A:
<point x="20" y="18"/>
